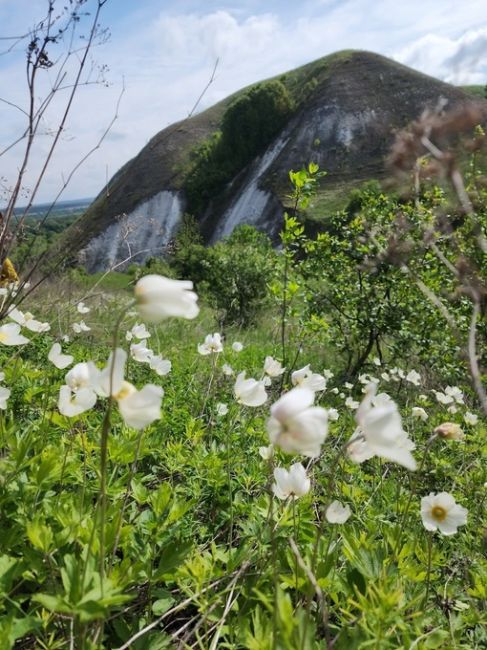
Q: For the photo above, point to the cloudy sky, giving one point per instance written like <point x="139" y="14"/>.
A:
<point x="163" y="53"/>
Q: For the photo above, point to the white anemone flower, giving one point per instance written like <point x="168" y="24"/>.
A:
<point x="249" y="392"/>
<point x="28" y="321"/>
<point x="357" y="449"/>
<point x="137" y="332"/>
<point x="82" y="308"/>
<point x="305" y="378"/>
<point x="333" y="415"/>
<point x="273" y="368"/>
<point x="59" y="359"/>
<point x="74" y="402"/>
<point x="10" y="335"/>
<point x="221" y="409"/>
<point x="351" y="403"/>
<point x="82" y="375"/>
<point x="443" y="398"/>
<point x="140" y="352"/>
<point x="376" y="361"/>
<point x="227" y="370"/>
<point x="470" y="418"/>
<point x="158" y="297"/>
<point x="382" y="429"/>
<point x="413" y="377"/>
<point x="160" y="365"/>
<point x="4" y="395"/>
<point x="293" y="483"/>
<point x="237" y="346"/>
<point x="441" y="512"/>
<point x="295" y="425"/>
<point x="212" y="345"/>
<point x="337" y="513"/>
<point x="81" y="327"/>
<point x="266" y="452"/>
<point x="327" y="374"/>
<point x="419" y="412"/>
<point x="139" y="408"/>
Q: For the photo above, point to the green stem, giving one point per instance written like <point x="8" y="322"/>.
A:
<point x="428" y="572"/>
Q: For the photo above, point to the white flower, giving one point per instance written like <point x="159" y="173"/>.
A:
<point x="335" y="391"/>
<point x="212" y="345"/>
<point x="441" y="512"/>
<point x="413" y="377"/>
<point x="140" y="352"/>
<point x="337" y="513"/>
<point x="160" y="365"/>
<point x="351" y="403"/>
<point x="138" y="332"/>
<point x="81" y="327"/>
<point x="59" y="359"/>
<point x="249" y="392"/>
<point x="237" y="346"/>
<point x="376" y="361"/>
<point x="72" y="403"/>
<point x="295" y="425"/>
<point x="10" y="335"/>
<point x="450" y="431"/>
<point x="4" y="395"/>
<point x="82" y="308"/>
<point x="423" y="397"/>
<point x="455" y="392"/>
<point x="385" y="376"/>
<point x="227" y="370"/>
<point x="382" y="429"/>
<point x="327" y="374"/>
<point x="221" y="409"/>
<point x="333" y="415"/>
<point x="272" y="367"/>
<point x="443" y="398"/>
<point x="470" y="418"/>
<point x="159" y="297"/>
<point x="266" y="452"/>
<point x="139" y="408"/>
<point x="65" y="338"/>
<point x="452" y="409"/>
<point x="267" y="381"/>
<point x="308" y="379"/>
<point x="348" y="385"/>
<point x="357" y="449"/>
<point x="293" y="483"/>
<point x="27" y="320"/>
<point x="82" y="375"/>
<point x="418" y="412"/>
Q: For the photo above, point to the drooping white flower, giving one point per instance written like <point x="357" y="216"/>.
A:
<point x="59" y="359"/>
<point x="10" y="335"/>
<point x="305" y="378"/>
<point x="470" y="418"/>
<point x="221" y="409"/>
<point x="140" y="352"/>
<point x="160" y="365"/>
<point x="237" y="346"/>
<point x="295" y="425"/>
<point x="82" y="308"/>
<point x="441" y="512"/>
<point x="413" y="377"/>
<point x="4" y="395"/>
<point x="212" y="345"/>
<point x="74" y="402"/>
<point x="137" y="332"/>
<point x="272" y="367"/>
<point x="158" y="297"/>
<point x="382" y="429"/>
<point x="81" y="327"/>
<point x="249" y="392"/>
<point x="419" y="412"/>
<point x="337" y="513"/>
<point x="450" y="431"/>
<point x="27" y="320"/>
<point x="293" y="483"/>
<point x="266" y="452"/>
<point x="227" y="370"/>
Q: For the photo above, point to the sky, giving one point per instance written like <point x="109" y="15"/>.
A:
<point x="160" y="55"/>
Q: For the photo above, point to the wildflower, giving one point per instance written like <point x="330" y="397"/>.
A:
<point x="272" y="367"/>
<point x="441" y="512"/>
<point x="82" y="375"/>
<point x="227" y="370"/>
<point x="385" y="376"/>
<point x="413" y="377"/>
<point x="249" y="392"/>
<point x="308" y="379"/>
<point x="160" y="365"/>
<point x="4" y="395"/>
<point x="81" y="327"/>
<point x="327" y="374"/>
<point x="376" y="361"/>
<point x="381" y="427"/>
<point x="443" y="398"/>
<point x="293" y="483"/>
<point x="140" y="352"/>
<point x="351" y="403"/>
<point x="450" y="431"/>
<point x="418" y="412"/>
<point x="423" y="397"/>
<point x="335" y="390"/>
<point x="137" y="332"/>
<point x="295" y="425"/>
<point x="59" y="359"/>
<point x="470" y="418"/>
<point x="10" y="335"/>
<point x="348" y="385"/>
<point x="337" y="513"/>
<point x="357" y="449"/>
<point x="212" y="345"/>
<point x="82" y="308"/>
<point x="27" y="320"/>
<point x="158" y="297"/>
<point x="74" y="402"/>
<point x="266" y="452"/>
<point x="333" y="415"/>
<point x="237" y="346"/>
<point x="455" y="392"/>
<point x="452" y="409"/>
<point x="221" y="409"/>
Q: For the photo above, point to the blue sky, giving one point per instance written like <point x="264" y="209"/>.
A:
<point x="164" y="53"/>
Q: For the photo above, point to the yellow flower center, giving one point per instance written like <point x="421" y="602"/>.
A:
<point x="126" y="390"/>
<point x="438" y="513"/>
<point x="3" y="337"/>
